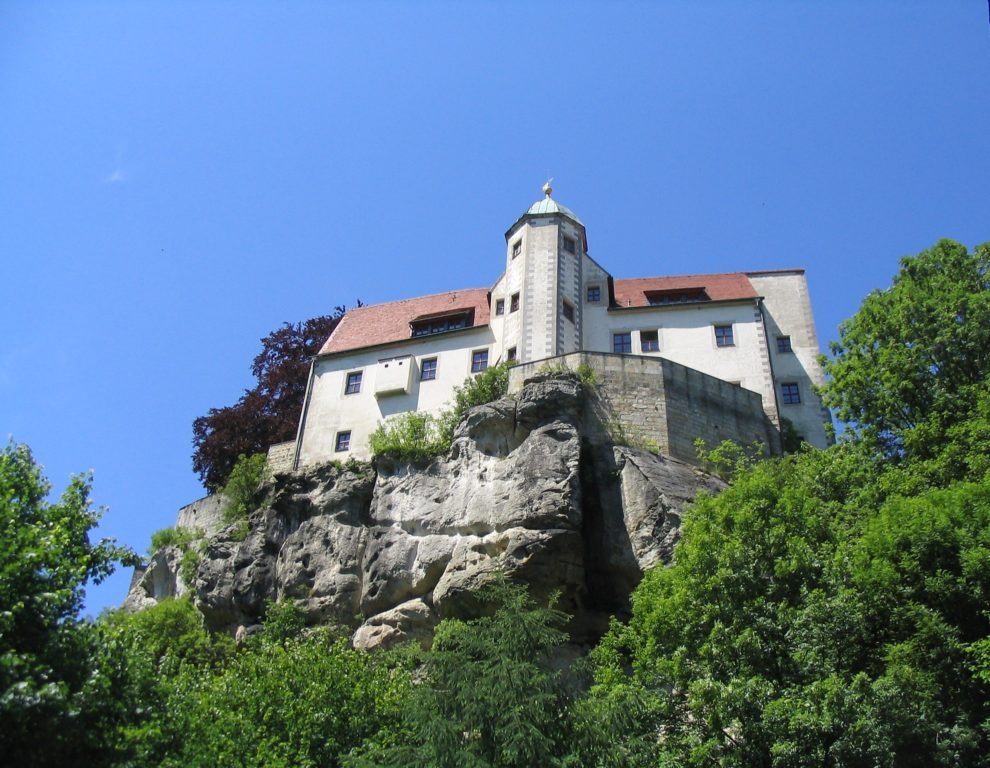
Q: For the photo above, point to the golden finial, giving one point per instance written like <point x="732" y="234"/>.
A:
<point x="547" y="189"/>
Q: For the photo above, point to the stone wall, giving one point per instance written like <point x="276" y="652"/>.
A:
<point x="281" y="457"/>
<point x="653" y="403"/>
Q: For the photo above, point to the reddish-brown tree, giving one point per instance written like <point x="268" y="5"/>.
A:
<point x="269" y="412"/>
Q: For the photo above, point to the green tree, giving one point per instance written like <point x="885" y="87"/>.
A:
<point x="58" y="686"/>
<point x="493" y="694"/>
<point x="912" y="362"/>
<point x="814" y="616"/>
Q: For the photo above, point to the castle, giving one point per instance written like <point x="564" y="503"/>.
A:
<point x="736" y="336"/>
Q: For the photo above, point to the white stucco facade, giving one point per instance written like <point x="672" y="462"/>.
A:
<point x="753" y="329"/>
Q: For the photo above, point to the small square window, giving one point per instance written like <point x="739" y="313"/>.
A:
<point x="622" y="343"/>
<point x="791" y="393"/>
<point x="514" y="303"/>
<point x="479" y="360"/>
<point x="353" y="383"/>
<point x="569" y="311"/>
<point x="516" y="248"/>
<point x="499" y="306"/>
<point x="649" y="341"/>
<point x="784" y="344"/>
<point x="428" y="371"/>
<point x="570" y="244"/>
<point x="511" y="354"/>
<point x="594" y="293"/>
<point x="343" y="442"/>
<point x="723" y="336"/>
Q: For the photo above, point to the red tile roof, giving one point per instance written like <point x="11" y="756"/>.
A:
<point x="383" y="323"/>
<point x="721" y="287"/>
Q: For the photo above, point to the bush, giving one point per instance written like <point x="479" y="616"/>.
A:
<point x="413" y="436"/>
<point x="244" y="481"/>
<point x="173" y="537"/>
<point x="420" y="436"/>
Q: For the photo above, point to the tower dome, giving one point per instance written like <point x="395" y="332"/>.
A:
<point x="547" y="206"/>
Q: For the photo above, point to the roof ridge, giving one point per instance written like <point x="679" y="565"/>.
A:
<point x="416" y="298"/>
<point x="669" y="277"/>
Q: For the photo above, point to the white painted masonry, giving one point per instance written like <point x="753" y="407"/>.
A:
<point x="554" y="300"/>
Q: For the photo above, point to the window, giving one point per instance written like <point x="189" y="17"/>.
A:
<point x="594" y="293"/>
<point x="516" y="248"/>
<point x="514" y="303"/>
<point x="353" y="384"/>
<point x="784" y="344"/>
<point x="649" y="341"/>
<point x="723" y="336"/>
<point x="570" y="244"/>
<point x="499" y="306"/>
<point x="622" y="343"/>
<point x="569" y="311"/>
<point x="479" y="360"/>
<point x="791" y="393"/>
<point x="343" y="442"/>
<point x="428" y="370"/>
<point x="511" y="354"/>
<point x="433" y="325"/>
<point x="676" y="296"/>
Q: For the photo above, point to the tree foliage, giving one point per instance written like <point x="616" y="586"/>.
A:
<point x="796" y="630"/>
<point x="57" y="683"/>
<point x="269" y="412"/>
<point x="491" y="695"/>
<point x="912" y="362"/>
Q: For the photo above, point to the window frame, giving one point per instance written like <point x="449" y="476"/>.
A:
<point x="511" y="355"/>
<point x="790" y="393"/>
<point x="568" y="311"/>
<point x="342" y="441"/>
<point x="479" y="364"/>
<point x="598" y="294"/>
<point x="719" y="329"/>
<point x="784" y="345"/>
<point x="655" y="341"/>
<point x="570" y="241"/>
<point x="499" y="307"/>
<point x="517" y="248"/>
<point x="352" y="382"/>
<point x="423" y="368"/>
<point x="514" y="303"/>
<point x="628" y="338"/>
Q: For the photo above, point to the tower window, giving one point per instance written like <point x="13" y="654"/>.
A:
<point x="570" y="244"/>
<point x="516" y="248"/>
<point x="511" y="354"/>
<point x="428" y="371"/>
<point x="499" y="306"/>
<point x="723" y="336"/>
<point x="479" y="360"/>
<point x="649" y="341"/>
<point x="569" y="311"/>
<point x="784" y="344"/>
<point x="343" y="442"/>
<point x="514" y="303"/>
<point x="622" y="343"/>
<point x="353" y="383"/>
<point x="791" y="395"/>
<point x="594" y="293"/>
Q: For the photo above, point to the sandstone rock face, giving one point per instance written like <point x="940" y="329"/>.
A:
<point x="532" y="488"/>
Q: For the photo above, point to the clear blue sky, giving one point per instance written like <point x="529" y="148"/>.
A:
<point x="177" y="179"/>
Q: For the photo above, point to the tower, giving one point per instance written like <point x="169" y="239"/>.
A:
<point x="544" y="256"/>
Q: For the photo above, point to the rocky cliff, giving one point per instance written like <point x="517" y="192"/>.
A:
<point x="532" y="487"/>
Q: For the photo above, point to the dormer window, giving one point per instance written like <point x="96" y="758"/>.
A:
<point x="453" y="321"/>
<point x="676" y="296"/>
